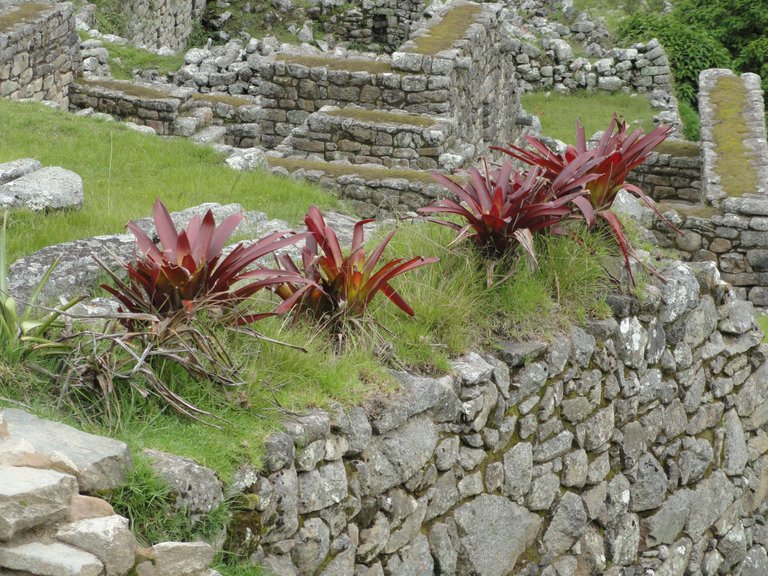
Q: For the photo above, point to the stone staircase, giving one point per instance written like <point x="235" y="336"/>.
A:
<point x="52" y="525"/>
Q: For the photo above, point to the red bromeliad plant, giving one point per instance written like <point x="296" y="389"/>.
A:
<point x="190" y="266"/>
<point x="335" y="284"/>
<point x="615" y="156"/>
<point x="502" y="209"/>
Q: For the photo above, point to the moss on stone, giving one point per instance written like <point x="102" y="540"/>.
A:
<point x="679" y="148"/>
<point x="27" y="12"/>
<point x="335" y="170"/>
<point x="128" y="88"/>
<point x="235" y="101"/>
<point x="452" y="27"/>
<point x="383" y="117"/>
<point x="730" y="129"/>
<point x="348" y="64"/>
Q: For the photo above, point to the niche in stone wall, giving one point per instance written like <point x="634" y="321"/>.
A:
<point x="379" y="28"/>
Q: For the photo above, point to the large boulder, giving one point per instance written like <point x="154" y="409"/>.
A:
<point x="51" y="188"/>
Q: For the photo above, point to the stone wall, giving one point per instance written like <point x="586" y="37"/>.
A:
<point x="39" y="51"/>
<point x="471" y="84"/>
<point x="380" y="25"/>
<point x="158" y="23"/>
<point x="637" y="443"/>
<point x="673" y="175"/>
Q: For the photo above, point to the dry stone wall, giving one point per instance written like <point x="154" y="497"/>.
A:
<point x="671" y="175"/>
<point x="381" y="25"/>
<point x="159" y="23"/>
<point x="635" y="444"/>
<point x="39" y="50"/>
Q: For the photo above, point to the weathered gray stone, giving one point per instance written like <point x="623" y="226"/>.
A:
<point x="472" y="369"/>
<point x="650" y="486"/>
<point x="755" y="563"/>
<point x="46" y="189"/>
<point x="443" y="549"/>
<point x="416" y="559"/>
<point x="54" y="559"/>
<point x="665" y="525"/>
<point x="575" y="468"/>
<point x="418" y="394"/>
<point x="622" y="540"/>
<point x="543" y="491"/>
<point x="392" y="458"/>
<point x="281" y="517"/>
<point x="322" y="487"/>
<point x="595" y="432"/>
<point x="30" y="497"/>
<point x="493" y="533"/>
<point x="679" y="294"/>
<point x="735" y="452"/>
<point x="554" y="447"/>
<point x="518" y="470"/>
<point x="712" y="496"/>
<point x="18" y="168"/>
<point x="98" y="463"/>
<point x="695" y="459"/>
<point x="182" y="558"/>
<point x="567" y="525"/>
<point x="279" y="451"/>
<point x="677" y="561"/>
<point x="312" y="546"/>
<point x="109" y="539"/>
<point x="196" y="487"/>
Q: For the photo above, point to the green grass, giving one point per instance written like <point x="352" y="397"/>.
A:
<point x="611" y="10"/>
<point x="214" y="99"/>
<point x="762" y="322"/>
<point x="680" y="148"/>
<point x="348" y="64"/>
<point x="451" y="28"/>
<point x="336" y="170"/>
<point x="124" y="172"/>
<point x="123" y="59"/>
<point x="734" y="159"/>
<point x="25" y="12"/>
<point x="558" y="113"/>
<point x="382" y="117"/>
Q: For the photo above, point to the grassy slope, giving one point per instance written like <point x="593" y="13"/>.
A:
<point x="558" y="113"/>
<point x="124" y="172"/>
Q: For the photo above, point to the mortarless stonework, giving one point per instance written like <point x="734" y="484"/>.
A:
<point x="39" y="51"/>
<point x="158" y="23"/>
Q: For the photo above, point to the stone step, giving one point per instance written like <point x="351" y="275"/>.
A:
<point x="210" y="135"/>
<point x="370" y="188"/>
<point x="30" y="497"/>
<point x="98" y="463"/>
<point x="392" y="139"/>
<point x="50" y="560"/>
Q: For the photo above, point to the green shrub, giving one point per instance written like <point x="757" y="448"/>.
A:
<point x="690" y="50"/>
<point x="691" y="122"/>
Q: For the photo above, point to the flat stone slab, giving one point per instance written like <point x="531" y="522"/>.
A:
<point x="98" y="463"/>
<point x="30" y="497"/>
<point x="50" y="560"/>
<point x="18" y="168"/>
<point x="51" y="188"/>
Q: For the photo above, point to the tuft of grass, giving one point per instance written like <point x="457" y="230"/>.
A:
<point x="558" y="113"/>
<point x="679" y="148"/>
<point x="451" y="28"/>
<point x="124" y="59"/>
<point x="734" y="158"/>
<point x="235" y="101"/>
<point x="348" y="64"/>
<point x="124" y="173"/>
<point x="691" y="121"/>
<point x="762" y="322"/>
<point x="337" y="169"/>
<point x="147" y="501"/>
<point x="25" y="12"/>
<point x="382" y="117"/>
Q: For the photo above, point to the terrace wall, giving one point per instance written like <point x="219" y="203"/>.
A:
<point x="39" y="51"/>
<point x="637" y="444"/>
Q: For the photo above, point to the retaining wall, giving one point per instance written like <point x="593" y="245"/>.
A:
<point x="635" y="444"/>
<point x="39" y="51"/>
<point x="671" y="176"/>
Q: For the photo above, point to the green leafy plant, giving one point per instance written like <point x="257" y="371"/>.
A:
<point x="191" y="266"/>
<point x="690" y="49"/>
<point x="501" y="209"/>
<point x="20" y="334"/>
<point x="610" y="161"/>
<point x="334" y="285"/>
